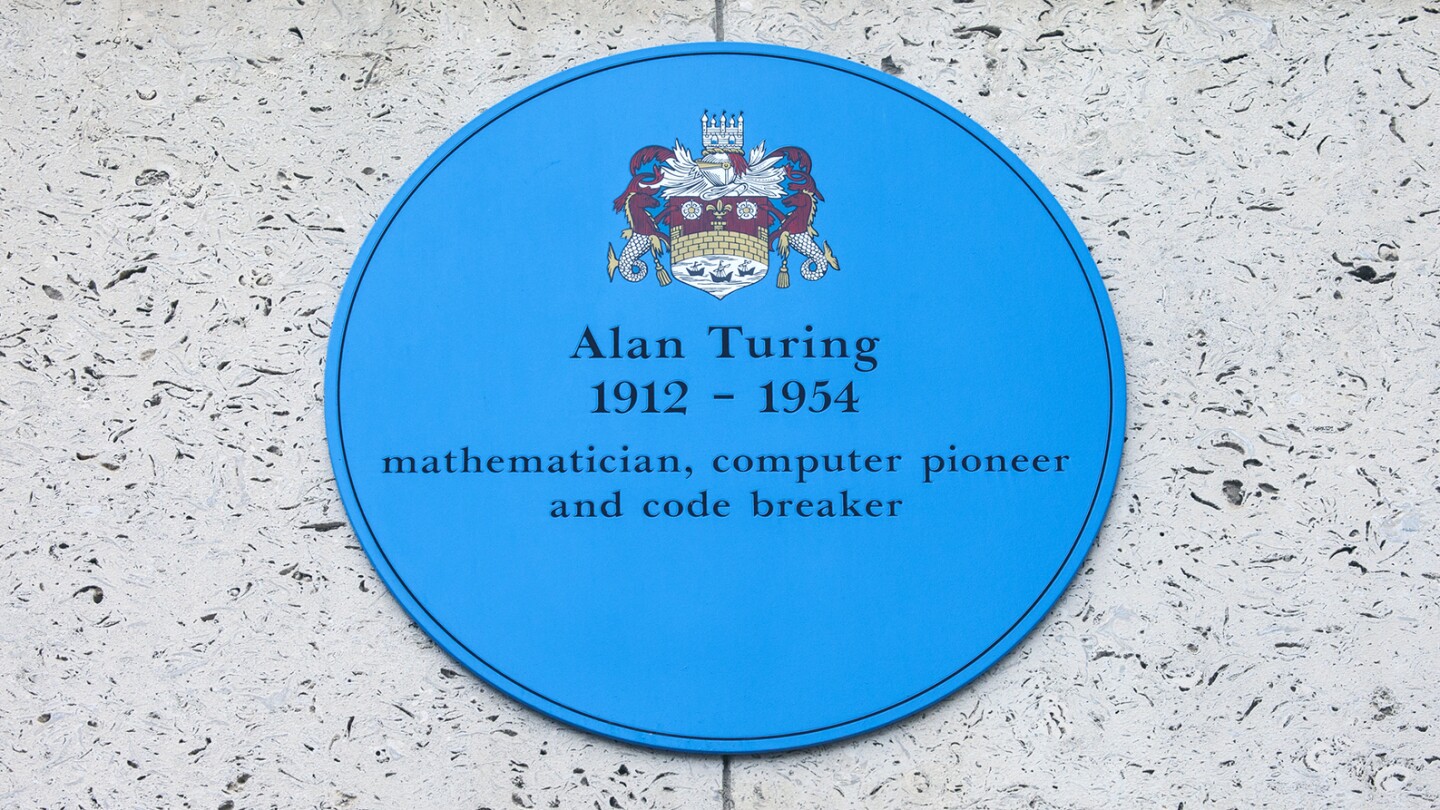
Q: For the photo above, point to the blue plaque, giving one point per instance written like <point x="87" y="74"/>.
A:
<point x="725" y="398"/>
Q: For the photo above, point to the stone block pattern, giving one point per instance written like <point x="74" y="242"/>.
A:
<point x="717" y="242"/>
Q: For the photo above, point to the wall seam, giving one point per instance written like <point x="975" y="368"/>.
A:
<point x="727" y="800"/>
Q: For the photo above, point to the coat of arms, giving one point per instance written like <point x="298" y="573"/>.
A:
<point x="720" y="216"/>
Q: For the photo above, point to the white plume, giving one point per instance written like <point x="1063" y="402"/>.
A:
<point x="681" y="177"/>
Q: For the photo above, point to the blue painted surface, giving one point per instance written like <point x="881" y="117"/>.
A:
<point x="740" y="634"/>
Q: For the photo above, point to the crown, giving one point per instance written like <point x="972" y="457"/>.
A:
<point x="722" y="133"/>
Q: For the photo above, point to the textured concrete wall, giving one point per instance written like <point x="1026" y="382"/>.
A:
<point x="187" y="621"/>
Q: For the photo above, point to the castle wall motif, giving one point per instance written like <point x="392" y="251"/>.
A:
<point x="721" y="216"/>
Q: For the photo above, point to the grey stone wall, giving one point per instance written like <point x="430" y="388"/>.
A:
<point x="187" y="621"/>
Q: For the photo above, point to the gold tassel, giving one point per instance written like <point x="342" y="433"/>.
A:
<point x="783" y="280"/>
<point x="655" y="247"/>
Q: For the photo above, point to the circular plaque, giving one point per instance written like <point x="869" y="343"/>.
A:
<point x="725" y="398"/>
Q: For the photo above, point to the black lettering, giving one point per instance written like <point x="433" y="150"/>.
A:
<point x="400" y="463"/>
<point x="587" y="344"/>
<point x="466" y="458"/>
<point x="725" y="332"/>
<point x="864" y="357"/>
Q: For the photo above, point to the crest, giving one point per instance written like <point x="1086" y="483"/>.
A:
<point x="720" y="216"/>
